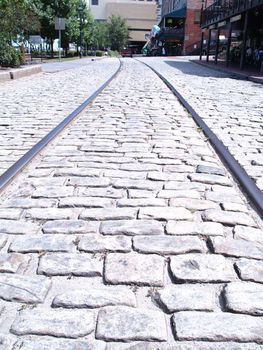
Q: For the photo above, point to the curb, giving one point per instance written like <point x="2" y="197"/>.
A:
<point x="19" y="73"/>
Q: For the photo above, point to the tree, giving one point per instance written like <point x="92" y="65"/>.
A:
<point x="100" y="35"/>
<point x="118" y="32"/>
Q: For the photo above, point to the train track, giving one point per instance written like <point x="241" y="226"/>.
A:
<point x="248" y="187"/>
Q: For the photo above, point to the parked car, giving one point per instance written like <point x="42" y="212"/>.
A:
<point x="126" y="52"/>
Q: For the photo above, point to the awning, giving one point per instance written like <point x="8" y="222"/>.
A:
<point x="180" y="13"/>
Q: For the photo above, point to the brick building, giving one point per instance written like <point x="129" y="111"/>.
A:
<point x="180" y="31"/>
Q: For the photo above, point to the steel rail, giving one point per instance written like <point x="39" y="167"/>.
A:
<point x="20" y="164"/>
<point x="247" y="185"/>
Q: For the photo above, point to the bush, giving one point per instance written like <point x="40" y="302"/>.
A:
<point x="113" y="53"/>
<point x="99" y="53"/>
<point x="9" y="56"/>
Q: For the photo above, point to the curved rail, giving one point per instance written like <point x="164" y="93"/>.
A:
<point x="19" y="165"/>
<point x="247" y="185"/>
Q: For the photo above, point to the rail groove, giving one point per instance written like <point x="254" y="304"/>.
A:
<point x="21" y="163"/>
<point x="249" y="188"/>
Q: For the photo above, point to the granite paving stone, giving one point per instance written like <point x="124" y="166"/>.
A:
<point x="191" y="325"/>
<point x="131" y="227"/>
<point x="58" y="323"/>
<point x="99" y="243"/>
<point x="95" y="298"/>
<point x="60" y="344"/>
<point x="134" y="268"/>
<point x="245" y="298"/>
<point x="11" y="262"/>
<point x="70" y="227"/>
<point x="194" y="228"/>
<point x="250" y="270"/>
<point x="228" y="217"/>
<point x="202" y="268"/>
<point x="125" y="324"/>
<point x="24" y="289"/>
<point x="69" y="264"/>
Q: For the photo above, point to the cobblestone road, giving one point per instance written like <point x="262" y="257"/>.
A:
<point x="130" y="234"/>
<point x="232" y="108"/>
<point x="32" y="106"/>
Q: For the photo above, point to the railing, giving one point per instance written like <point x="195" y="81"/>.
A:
<point x="222" y="9"/>
<point x="177" y="33"/>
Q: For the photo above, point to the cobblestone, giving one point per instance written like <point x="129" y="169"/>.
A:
<point x="118" y="244"/>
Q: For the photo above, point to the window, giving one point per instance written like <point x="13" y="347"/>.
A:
<point x="94" y="2"/>
<point x="197" y="16"/>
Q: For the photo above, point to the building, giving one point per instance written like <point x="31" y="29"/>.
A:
<point x="240" y="23"/>
<point x="140" y="16"/>
<point x="180" y="30"/>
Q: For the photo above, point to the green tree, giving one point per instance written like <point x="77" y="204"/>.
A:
<point x="118" y="32"/>
<point x="100" y="35"/>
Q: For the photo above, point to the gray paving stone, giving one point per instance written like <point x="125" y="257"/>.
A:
<point x="229" y="206"/>
<point x="134" y="268"/>
<point x="10" y="214"/>
<point x="210" y="170"/>
<point x="169" y="245"/>
<point x="88" y="202"/>
<point x="95" y="297"/>
<point x="131" y="227"/>
<point x="179" y="194"/>
<point x="237" y="247"/>
<point x="53" y="192"/>
<point x="250" y="270"/>
<point x="24" y="289"/>
<point x="136" y="184"/>
<point x="124" y="324"/>
<point x="49" y="213"/>
<point x="101" y="243"/>
<point x="140" y="194"/>
<point x="211" y="179"/>
<point x="18" y="227"/>
<point x="248" y="234"/>
<point x="27" y="203"/>
<point x="202" y="268"/>
<point x="192" y="204"/>
<point x="59" y="344"/>
<point x="6" y="342"/>
<point x="70" y="227"/>
<point x="200" y="345"/>
<point x="244" y="297"/>
<point x="194" y="228"/>
<point x="228" y="217"/>
<point x="58" y="323"/>
<point x="70" y="264"/>
<point x="161" y="176"/>
<point x="107" y="192"/>
<point x="217" y="326"/>
<point x="42" y="243"/>
<point x="223" y="197"/>
<point x="167" y="213"/>
<point x="12" y="262"/>
<point x="141" y="202"/>
<point x="89" y="182"/>
<point x="109" y="214"/>
<point x="184" y="297"/>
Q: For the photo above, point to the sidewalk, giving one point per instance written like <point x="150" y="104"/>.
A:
<point x="247" y="74"/>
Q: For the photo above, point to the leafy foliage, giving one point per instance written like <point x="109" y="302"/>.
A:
<point x="118" y="32"/>
<point x="9" y="56"/>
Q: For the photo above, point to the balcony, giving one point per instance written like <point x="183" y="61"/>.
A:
<point x="171" y="33"/>
<point x="223" y="9"/>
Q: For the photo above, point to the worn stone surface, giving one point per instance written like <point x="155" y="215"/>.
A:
<point x="246" y="298"/>
<point x="167" y="213"/>
<point x="194" y="228"/>
<point x="3" y="240"/>
<point x="125" y="324"/>
<point x="228" y="218"/>
<point x="100" y="243"/>
<point x="41" y="243"/>
<point x="183" y="297"/>
<point x="60" y="344"/>
<point x="237" y="247"/>
<point x="134" y="269"/>
<point x="193" y="325"/>
<point x="88" y="202"/>
<point x="58" y="323"/>
<point x="12" y="262"/>
<point x="131" y="227"/>
<point x="70" y="227"/>
<point x="202" y="268"/>
<point x="18" y="227"/>
<point x="6" y="342"/>
<point x="211" y="179"/>
<point x="70" y="264"/>
<point x="250" y="270"/>
<point x="10" y="214"/>
<point x="95" y="297"/>
<point x="25" y="289"/>
<point x="192" y="203"/>
<point x="200" y="345"/>
<point x="109" y="214"/>
<point x="169" y="245"/>
<point x="49" y="213"/>
<point x="248" y="234"/>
